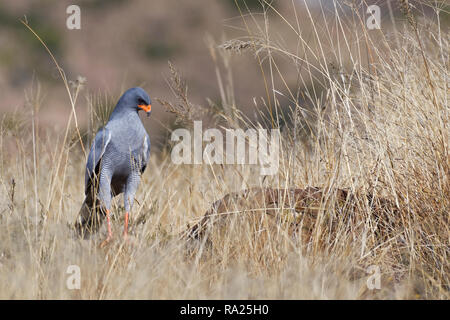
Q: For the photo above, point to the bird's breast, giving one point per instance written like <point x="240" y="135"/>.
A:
<point x="124" y="156"/>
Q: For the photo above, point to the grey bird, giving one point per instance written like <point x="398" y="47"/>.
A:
<point x="118" y="156"/>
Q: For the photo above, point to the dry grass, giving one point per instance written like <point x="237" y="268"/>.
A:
<point x="376" y="125"/>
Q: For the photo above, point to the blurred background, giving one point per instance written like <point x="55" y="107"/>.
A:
<point x="123" y="44"/>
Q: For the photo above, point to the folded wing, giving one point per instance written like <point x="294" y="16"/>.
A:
<point x="146" y="152"/>
<point x="102" y="138"/>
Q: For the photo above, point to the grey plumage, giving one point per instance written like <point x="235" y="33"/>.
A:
<point x="118" y="156"/>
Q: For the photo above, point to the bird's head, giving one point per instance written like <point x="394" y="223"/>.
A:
<point x="135" y="99"/>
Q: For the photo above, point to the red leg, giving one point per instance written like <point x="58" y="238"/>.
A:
<point x="108" y="221"/>
<point x="125" y="228"/>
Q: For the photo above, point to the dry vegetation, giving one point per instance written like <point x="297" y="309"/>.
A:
<point x="371" y="133"/>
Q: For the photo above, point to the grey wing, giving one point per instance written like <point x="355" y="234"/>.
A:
<point x="101" y="140"/>
<point x="146" y="152"/>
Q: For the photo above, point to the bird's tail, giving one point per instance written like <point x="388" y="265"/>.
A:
<point x="90" y="217"/>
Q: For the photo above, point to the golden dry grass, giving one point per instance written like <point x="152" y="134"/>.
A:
<point x="378" y="126"/>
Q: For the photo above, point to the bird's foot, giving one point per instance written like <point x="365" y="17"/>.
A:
<point x="105" y="242"/>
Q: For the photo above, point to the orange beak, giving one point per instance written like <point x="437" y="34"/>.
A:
<point x="146" y="108"/>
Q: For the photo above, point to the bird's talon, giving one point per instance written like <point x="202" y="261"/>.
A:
<point x="105" y="242"/>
